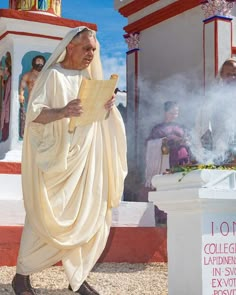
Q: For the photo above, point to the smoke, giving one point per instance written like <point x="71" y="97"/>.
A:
<point x="210" y="112"/>
<point x="217" y="119"/>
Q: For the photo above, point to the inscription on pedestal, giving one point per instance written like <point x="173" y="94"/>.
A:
<point x="219" y="255"/>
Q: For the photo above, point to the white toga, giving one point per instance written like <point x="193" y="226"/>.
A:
<point x="70" y="182"/>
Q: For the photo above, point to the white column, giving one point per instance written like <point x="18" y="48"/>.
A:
<point x="217" y="36"/>
<point x="217" y="42"/>
<point x="201" y="233"/>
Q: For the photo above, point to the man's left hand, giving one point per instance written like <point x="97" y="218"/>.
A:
<point x="110" y="103"/>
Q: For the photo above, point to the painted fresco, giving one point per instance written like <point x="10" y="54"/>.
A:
<point x="53" y="6"/>
<point x="32" y="64"/>
<point x="5" y="95"/>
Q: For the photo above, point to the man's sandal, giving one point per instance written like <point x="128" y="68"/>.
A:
<point x="21" y="285"/>
<point x="85" y="289"/>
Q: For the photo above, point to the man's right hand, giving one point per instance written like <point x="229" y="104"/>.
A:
<point x="73" y="109"/>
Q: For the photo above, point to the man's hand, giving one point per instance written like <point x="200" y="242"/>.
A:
<point x="110" y="103"/>
<point x="73" y="109"/>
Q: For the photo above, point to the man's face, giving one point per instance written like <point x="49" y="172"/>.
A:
<point x="173" y="113"/>
<point x="38" y="65"/>
<point x="81" y="51"/>
<point x="229" y="73"/>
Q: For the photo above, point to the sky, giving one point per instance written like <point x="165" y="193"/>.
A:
<point x="110" y="32"/>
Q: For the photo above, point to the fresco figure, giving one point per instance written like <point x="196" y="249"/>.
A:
<point x="18" y="4"/>
<point x="27" y="83"/>
<point x="12" y="4"/>
<point x="26" y="4"/>
<point x="42" y="4"/>
<point x="57" y="7"/>
<point x="6" y="84"/>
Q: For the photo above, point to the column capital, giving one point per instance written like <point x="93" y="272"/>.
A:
<point x="217" y="7"/>
<point x="132" y="40"/>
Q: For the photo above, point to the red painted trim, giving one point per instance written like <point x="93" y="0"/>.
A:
<point x="136" y="99"/>
<point x="29" y="34"/>
<point x="204" y="56"/>
<point x="161" y="15"/>
<point x="10" y="168"/>
<point x="135" y="6"/>
<point x="233" y="50"/>
<point x="125" y="244"/>
<point x="41" y="18"/>
<point x="231" y="30"/>
<point x="136" y="245"/>
<point x="216" y="54"/>
<point x="223" y="19"/>
<point x="9" y="244"/>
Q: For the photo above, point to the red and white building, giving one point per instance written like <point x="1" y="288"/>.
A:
<point x="25" y="31"/>
<point x="175" y="48"/>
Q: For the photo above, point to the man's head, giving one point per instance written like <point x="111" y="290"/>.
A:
<point x="80" y="51"/>
<point x="38" y="62"/>
<point x="171" y="109"/>
<point x="228" y="71"/>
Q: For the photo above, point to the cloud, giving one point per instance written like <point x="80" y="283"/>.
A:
<point x="115" y="65"/>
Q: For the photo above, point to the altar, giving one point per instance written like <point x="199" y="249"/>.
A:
<point x="201" y="230"/>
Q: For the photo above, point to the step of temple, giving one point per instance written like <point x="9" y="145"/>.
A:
<point x="133" y="238"/>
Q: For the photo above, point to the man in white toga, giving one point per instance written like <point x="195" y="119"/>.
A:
<point x="70" y="181"/>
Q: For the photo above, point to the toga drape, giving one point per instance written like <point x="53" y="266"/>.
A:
<point x="70" y="181"/>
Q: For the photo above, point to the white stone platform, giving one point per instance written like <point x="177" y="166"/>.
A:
<point x="128" y="214"/>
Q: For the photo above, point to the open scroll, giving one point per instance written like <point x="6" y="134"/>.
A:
<point x="93" y="95"/>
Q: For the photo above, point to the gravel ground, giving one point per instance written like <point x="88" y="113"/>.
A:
<point x="107" y="278"/>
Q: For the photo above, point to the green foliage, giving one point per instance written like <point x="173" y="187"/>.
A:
<point x="187" y="169"/>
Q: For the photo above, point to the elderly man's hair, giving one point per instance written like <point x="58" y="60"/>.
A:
<point x="85" y="30"/>
<point x="228" y="62"/>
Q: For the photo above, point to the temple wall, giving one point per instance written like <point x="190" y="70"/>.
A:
<point x="27" y="40"/>
<point x="170" y="66"/>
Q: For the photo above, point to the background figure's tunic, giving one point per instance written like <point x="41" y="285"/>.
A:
<point x="177" y="139"/>
<point x="70" y="182"/>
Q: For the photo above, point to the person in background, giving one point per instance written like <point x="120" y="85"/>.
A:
<point x="228" y="71"/>
<point x="215" y="125"/>
<point x="167" y="146"/>
<point x="174" y="135"/>
<point x="71" y="181"/>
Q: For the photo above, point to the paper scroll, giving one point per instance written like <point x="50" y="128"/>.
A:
<point x="93" y="95"/>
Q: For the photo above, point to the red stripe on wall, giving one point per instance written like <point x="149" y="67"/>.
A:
<point x="29" y="34"/>
<point x="125" y="244"/>
<point x="10" y="168"/>
<point x="135" y="6"/>
<point x="41" y="18"/>
<point x="161" y="15"/>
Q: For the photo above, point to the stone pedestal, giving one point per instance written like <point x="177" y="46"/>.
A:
<point x="201" y="235"/>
